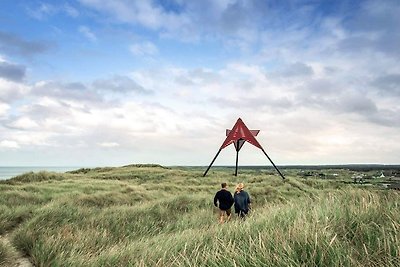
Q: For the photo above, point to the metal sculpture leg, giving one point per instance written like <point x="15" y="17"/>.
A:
<point x="237" y="161"/>
<point x="212" y="162"/>
<point x="276" y="168"/>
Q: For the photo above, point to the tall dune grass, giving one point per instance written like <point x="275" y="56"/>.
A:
<point x="7" y="255"/>
<point x="153" y="216"/>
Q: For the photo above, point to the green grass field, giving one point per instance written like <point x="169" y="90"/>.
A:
<point x="148" y="215"/>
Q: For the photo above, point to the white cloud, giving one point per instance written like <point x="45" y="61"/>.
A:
<point x="24" y="123"/>
<point x="45" y="10"/>
<point x="189" y="20"/>
<point x="11" y="91"/>
<point x="119" y="84"/>
<point x="42" y="11"/>
<point x="87" y="32"/>
<point x="71" y="11"/>
<point x="36" y="138"/>
<point x="144" y="49"/>
<point x="4" y="108"/>
<point x="8" y="144"/>
<point x="109" y="144"/>
<point x="138" y="12"/>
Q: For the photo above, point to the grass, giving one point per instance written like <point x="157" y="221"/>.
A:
<point x="149" y="215"/>
<point x="7" y="255"/>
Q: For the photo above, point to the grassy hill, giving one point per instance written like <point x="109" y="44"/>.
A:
<point x="149" y="215"/>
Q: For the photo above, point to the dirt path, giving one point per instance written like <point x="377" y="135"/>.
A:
<point x="21" y="260"/>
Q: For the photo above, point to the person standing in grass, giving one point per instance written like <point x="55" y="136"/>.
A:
<point x="242" y="201"/>
<point x="223" y="200"/>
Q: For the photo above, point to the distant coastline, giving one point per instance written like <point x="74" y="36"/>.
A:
<point x="12" y="171"/>
<point x="352" y="167"/>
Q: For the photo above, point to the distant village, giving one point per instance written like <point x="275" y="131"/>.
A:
<point x="386" y="178"/>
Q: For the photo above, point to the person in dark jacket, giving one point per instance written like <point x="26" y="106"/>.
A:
<point x="223" y="200"/>
<point x="242" y="201"/>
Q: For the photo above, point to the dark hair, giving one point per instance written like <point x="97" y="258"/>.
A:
<point x="223" y="185"/>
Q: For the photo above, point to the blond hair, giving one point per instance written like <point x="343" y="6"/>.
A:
<point x="239" y="187"/>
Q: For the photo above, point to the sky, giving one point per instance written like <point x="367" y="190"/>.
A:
<point x="110" y="83"/>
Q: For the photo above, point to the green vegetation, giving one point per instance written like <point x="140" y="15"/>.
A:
<point x="7" y="256"/>
<point x="149" y="215"/>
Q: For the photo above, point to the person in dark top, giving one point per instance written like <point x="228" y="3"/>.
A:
<point x="242" y="201"/>
<point x="223" y="200"/>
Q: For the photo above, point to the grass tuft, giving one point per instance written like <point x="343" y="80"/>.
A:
<point x="7" y="255"/>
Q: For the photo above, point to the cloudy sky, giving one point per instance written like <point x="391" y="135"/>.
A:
<point x="107" y="83"/>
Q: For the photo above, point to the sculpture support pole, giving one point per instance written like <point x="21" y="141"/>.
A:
<point x="237" y="160"/>
<point x="212" y="161"/>
<point x="276" y="168"/>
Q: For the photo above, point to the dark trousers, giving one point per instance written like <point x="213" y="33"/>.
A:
<point x="242" y="213"/>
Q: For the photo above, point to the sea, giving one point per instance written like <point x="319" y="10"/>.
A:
<point x="9" y="172"/>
